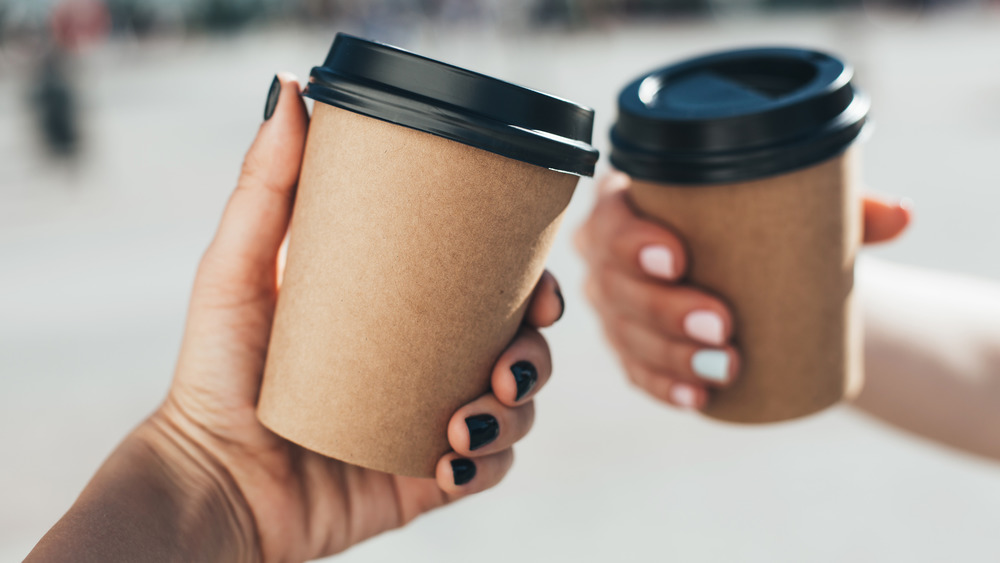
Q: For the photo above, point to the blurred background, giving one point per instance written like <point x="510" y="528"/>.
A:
<point x="122" y="128"/>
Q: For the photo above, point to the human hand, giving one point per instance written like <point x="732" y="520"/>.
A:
<point x="306" y="505"/>
<point x="205" y="473"/>
<point x="663" y="328"/>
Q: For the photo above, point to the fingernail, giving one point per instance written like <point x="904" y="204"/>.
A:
<point x="684" y="395"/>
<point x="526" y="376"/>
<point x="272" y="98"/>
<point x="562" y="303"/>
<point x="705" y="326"/>
<point x="483" y="429"/>
<point x="712" y="365"/>
<point x="463" y="470"/>
<point x="657" y="261"/>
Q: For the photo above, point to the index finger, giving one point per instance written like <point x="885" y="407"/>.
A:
<point x="616" y="235"/>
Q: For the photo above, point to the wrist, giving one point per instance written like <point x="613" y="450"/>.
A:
<point x="213" y="519"/>
<point x="158" y="497"/>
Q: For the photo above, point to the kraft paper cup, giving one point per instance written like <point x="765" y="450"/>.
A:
<point x="747" y="155"/>
<point x="428" y="201"/>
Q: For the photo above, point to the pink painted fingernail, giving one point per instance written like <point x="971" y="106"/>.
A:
<point x="706" y="327"/>
<point x="657" y="260"/>
<point x="684" y="395"/>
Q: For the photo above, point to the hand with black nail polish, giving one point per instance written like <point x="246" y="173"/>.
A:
<point x="202" y="480"/>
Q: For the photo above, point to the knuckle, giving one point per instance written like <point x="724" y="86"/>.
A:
<point x="251" y="171"/>
<point x="255" y="175"/>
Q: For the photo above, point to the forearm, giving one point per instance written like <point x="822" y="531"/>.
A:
<point x="932" y="356"/>
<point x="156" y="498"/>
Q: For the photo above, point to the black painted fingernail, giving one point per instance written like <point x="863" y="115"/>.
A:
<point x="272" y="98"/>
<point x="526" y="376"/>
<point x="483" y="429"/>
<point x="562" y="303"/>
<point x="463" y="470"/>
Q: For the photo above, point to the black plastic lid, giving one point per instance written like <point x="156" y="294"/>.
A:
<point x="400" y="87"/>
<point x="736" y="116"/>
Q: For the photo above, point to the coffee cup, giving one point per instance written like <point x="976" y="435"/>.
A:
<point x="428" y="201"/>
<point x="750" y="156"/>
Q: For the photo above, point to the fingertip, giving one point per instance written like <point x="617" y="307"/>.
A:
<point x="706" y="325"/>
<point x="277" y="149"/>
<point x="458" y="431"/>
<point x="291" y="87"/>
<point x="645" y="248"/>
<point x="525" y="379"/>
<point x="460" y="476"/>
<point x="658" y="261"/>
<point x="454" y="473"/>
<point x="514" y="382"/>
<point x="686" y="396"/>
<point x="463" y="470"/>
<point x="547" y="304"/>
<point x="284" y="88"/>
<point x="666" y="388"/>
<point x="522" y="370"/>
<point x="886" y="220"/>
<point x="717" y="367"/>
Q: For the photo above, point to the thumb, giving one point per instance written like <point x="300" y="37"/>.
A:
<point x="241" y="261"/>
<point x="885" y="220"/>
<point x="232" y="303"/>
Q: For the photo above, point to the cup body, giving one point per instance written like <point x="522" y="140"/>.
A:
<point x="781" y="252"/>
<point x="428" y="199"/>
<point x="411" y="260"/>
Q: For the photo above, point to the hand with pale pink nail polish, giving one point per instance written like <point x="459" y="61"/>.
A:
<point x="675" y="340"/>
